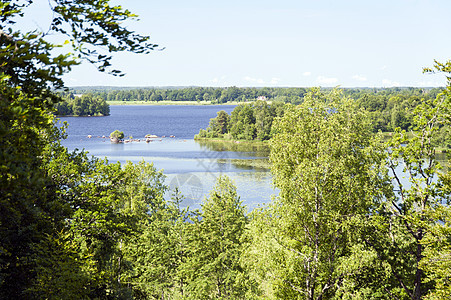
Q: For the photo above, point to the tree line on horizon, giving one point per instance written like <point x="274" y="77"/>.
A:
<point x="82" y="105"/>
<point x="221" y="95"/>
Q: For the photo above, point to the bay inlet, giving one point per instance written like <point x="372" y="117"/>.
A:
<point x="190" y="166"/>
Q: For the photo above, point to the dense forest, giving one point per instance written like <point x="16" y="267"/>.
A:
<point x="387" y="111"/>
<point x="344" y="225"/>
<point x="375" y="96"/>
<point x="83" y="105"/>
<point x="210" y="94"/>
<point x="246" y="122"/>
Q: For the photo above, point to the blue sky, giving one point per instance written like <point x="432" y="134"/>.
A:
<point x="282" y="43"/>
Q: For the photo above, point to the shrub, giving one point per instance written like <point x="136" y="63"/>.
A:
<point x="117" y="135"/>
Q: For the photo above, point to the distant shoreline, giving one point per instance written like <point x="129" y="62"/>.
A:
<point x="77" y="116"/>
<point x="171" y="103"/>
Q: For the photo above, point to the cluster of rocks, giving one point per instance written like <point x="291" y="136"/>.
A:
<point x="148" y="138"/>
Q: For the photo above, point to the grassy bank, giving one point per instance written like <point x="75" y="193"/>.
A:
<point x="257" y="148"/>
<point x="244" y="142"/>
<point x="252" y="164"/>
<point x="258" y="152"/>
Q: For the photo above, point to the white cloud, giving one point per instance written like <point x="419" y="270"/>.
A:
<point x="306" y="73"/>
<point x="389" y="83"/>
<point x="430" y="83"/>
<point x="326" y="80"/>
<point x="359" y="78"/>
<point x="274" y="80"/>
<point x="383" y="67"/>
<point x="217" y="80"/>
<point x="254" y="80"/>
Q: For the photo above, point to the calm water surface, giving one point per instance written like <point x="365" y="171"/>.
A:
<point x="188" y="165"/>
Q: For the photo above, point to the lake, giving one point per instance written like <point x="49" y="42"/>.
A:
<point x="189" y="165"/>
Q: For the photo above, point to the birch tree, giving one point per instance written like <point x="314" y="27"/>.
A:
<point x="328" y="171"/>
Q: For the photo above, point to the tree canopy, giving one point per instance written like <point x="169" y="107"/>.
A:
<point x="43" y="223"/>
<point x="345" y="224"/>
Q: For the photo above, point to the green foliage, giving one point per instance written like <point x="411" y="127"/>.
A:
<point x="94" y="29"/>
<point x="214" y="95"/>
<point x="29" y="208"/>
<point x="221" y="123"/>
<point x="86" y="105"/>
<point x="117" y="135"/>
<point x="104" y="205"/>
<point x="217" y="128"/>
<point x="74" y="227"/>
<point x="73" y="240"/>
<point x="436" y="261"/>
<point x="242" y="122"/>
<point x="191" y="255"/>
<point x="159" y="251"/>
<point x="60" y="213"/>
<point x="213" y="268"/>
<point x="325" y="165"/>
<point x="406" y="224"/>
<point x="247" y="122"/>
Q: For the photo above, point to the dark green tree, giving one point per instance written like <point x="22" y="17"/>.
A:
<point x="105" y="204"/>
<point x="29" y="207"/>
<point x="218" y="126"/>
<point x="156" y="97"/>
<point x="33" y="213"/>
<point x="242" y="122"/>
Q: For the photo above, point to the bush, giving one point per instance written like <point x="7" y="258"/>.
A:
<point x="117" y="135"/>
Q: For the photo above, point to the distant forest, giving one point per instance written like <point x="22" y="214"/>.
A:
<point x="84" y="105"/>
<point x="236" y="94"/>
<point x="388" y="108"/>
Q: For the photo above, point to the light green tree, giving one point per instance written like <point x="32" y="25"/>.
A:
<point x="327" y="168"/>
<point x="159" y="251"/>
<point x="213" y="270"/>
<point x="409" y="229"/>
<point x="430" y="214"/>
<point x="436" y="260"/>
<point x="414" y="169"/>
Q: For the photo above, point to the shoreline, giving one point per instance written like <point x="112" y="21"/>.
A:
<point x="82" y="116"/>
<point x="217" y="139"/>
<point x="194" y="103"/>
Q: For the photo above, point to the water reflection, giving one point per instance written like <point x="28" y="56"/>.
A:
<point x="254" y="188"/>
<point x="444" y="160"/>
<point x="254" y="149"/>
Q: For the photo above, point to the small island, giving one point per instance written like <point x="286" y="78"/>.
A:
<point x="86" y="105"/>
<point x="247" y="122"/>
<point x="116" y="136"/>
